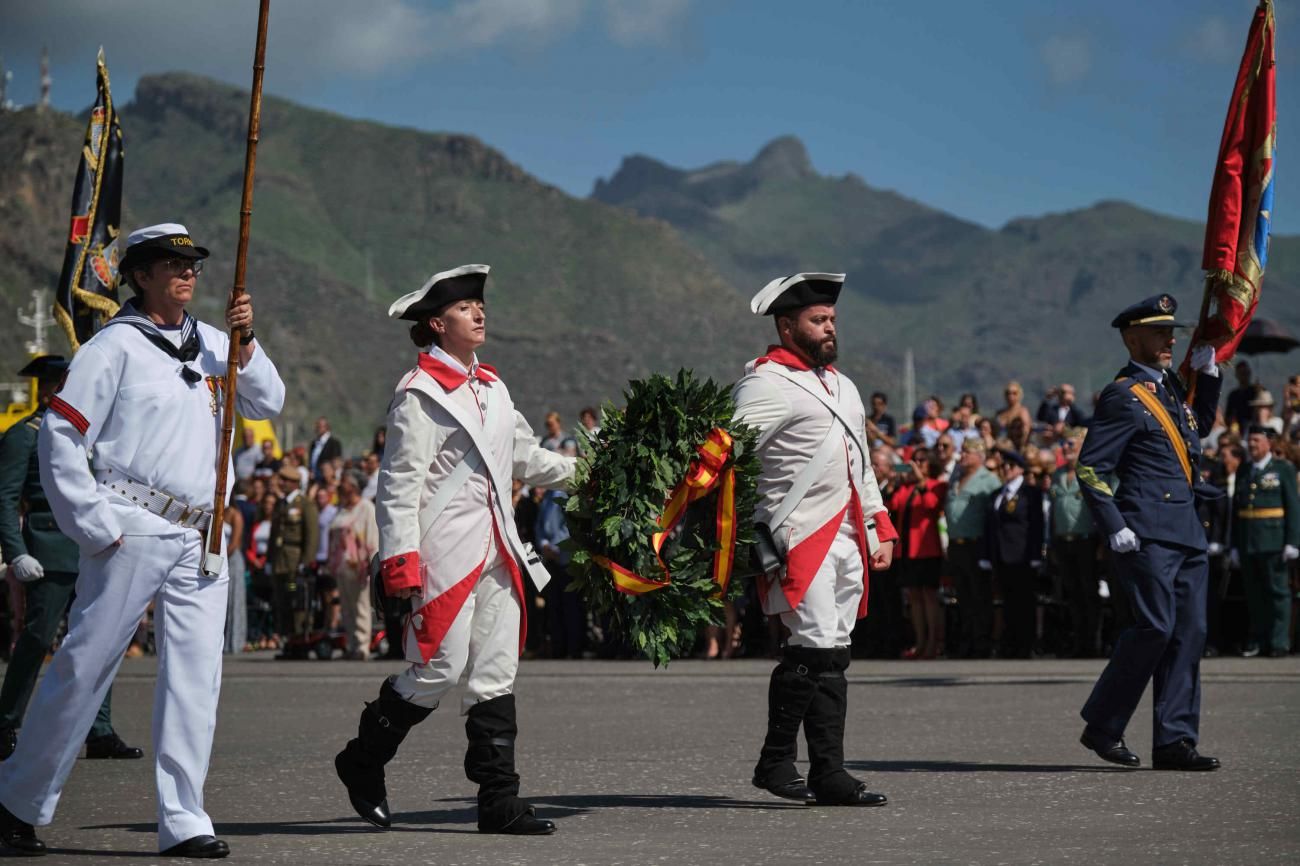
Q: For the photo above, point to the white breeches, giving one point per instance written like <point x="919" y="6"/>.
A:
<point x="483" y="643"/>
<point x="825" y="617"/>
<point x="113" y="590"/>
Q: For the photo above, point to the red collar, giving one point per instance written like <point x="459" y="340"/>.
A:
<point x="787" y="358"/>
<point x="450" y="378"/>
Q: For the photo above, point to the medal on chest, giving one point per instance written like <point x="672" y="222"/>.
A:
<point x="1190" y="416"/>
<point x="214" y="384"/>
<point x="1010" y="504"/>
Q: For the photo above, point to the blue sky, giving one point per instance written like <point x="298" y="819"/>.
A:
<point x="988" y="110"/>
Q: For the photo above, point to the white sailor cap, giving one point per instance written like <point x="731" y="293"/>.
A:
<point x="794" y="292"/>
<point x="458" y="284"/>
<point x="160" y="241"/>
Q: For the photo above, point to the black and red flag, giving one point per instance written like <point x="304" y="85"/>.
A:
<point x="1241" y="197"/>
<point x="86" y="296"/>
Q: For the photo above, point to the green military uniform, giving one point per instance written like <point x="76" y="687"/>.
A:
<point x="295" y="536"/>
<point x="966" y="510"/>
<point x="1265" y="519"/>
<point x="47" y="598"/>
<point x="1074" y="548"/>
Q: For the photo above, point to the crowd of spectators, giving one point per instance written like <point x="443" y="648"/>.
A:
<point x="998" y="556"/>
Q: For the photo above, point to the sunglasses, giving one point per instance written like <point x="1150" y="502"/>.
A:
<point x="176" y="267"/>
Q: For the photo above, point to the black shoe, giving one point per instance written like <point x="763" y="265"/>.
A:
<point x="527" y="824"/>
<point x="1250" y="652"/>
<point x="1109" y="750"/>
<point x="1181" y="755"/>
<point x="18" y="836"/>
<point x="8" y="742"/>
<point x="1278" y="653"/>
<point x="795" y="789"/>
<point x="200" y="848"/>
<point x="368" y="802"/>
<point x="860" y="797"/>
<point x="111" y="746"/>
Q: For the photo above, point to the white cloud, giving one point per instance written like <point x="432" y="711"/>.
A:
<point x="310" y="40"/>
<point x="1068" y="58"/>
<point x="632" y="21"/>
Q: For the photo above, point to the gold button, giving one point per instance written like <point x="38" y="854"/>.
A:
<point x="1252" y="485"/>
<point x="1166" y="496"/>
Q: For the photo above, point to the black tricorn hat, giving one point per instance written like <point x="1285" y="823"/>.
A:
<point x="795" y="292"/>
<point x="465" y="283"/>
<point x="45" y="367"/>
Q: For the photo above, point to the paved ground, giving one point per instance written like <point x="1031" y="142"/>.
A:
<point x="980" y="762"/>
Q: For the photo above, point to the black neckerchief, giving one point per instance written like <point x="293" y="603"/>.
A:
<point x="190" y="345"/>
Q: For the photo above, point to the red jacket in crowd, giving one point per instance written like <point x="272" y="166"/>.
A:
<point x="915" y="509"/>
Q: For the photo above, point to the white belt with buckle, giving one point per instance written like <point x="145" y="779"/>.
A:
<point x="156" y="501"/>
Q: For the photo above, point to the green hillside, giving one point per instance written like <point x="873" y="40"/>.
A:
<point x="349" y="215"/>
<point x="977" y="306"/>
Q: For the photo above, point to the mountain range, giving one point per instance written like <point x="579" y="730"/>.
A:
<point x="652" y="272"/>
<point x="977" y="306"/>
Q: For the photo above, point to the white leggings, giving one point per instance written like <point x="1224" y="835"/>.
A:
<point x="825" y="616"/>
<point x="482" y="641"/>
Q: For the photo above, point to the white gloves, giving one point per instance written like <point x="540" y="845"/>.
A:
<point x="1290" y="553"/>
<point x="985" y="565"/>
<point x="1103" y="589"/>
<point x="27" y="568"/>
<point x="1202" y="360"/>
<point x="1234" y="558"/>
<point x="1125" y="541"/>
<point x="1214" y="549"/>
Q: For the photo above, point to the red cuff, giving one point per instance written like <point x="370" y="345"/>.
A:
<point x="885" y="530"/>
<point x="401" y="572"/>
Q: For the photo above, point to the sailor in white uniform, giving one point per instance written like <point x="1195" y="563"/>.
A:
<point x="822" y="522"/>
<point x="128" y="457"/>
<point x="447" y="541"/>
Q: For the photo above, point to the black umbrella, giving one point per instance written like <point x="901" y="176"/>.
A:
<point x="1266" y="337"/>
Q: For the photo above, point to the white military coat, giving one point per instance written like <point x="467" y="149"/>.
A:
<point x="793" y="424"/>
<point x="443" y="554"/>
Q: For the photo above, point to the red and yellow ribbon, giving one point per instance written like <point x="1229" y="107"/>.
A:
<point x="709" y="471"/>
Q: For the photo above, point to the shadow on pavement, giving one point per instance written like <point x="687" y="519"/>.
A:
<point x="931" y="682"/>
<point x="327" y="827"/>
<point x="975" y="767"/>
<point x="97" y="853"/>
<point x="573" y="804"/>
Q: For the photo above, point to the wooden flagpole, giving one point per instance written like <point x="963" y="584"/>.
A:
<point x="213" y="561"/>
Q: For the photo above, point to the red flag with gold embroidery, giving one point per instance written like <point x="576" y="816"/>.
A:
<point x="86" y="296"/>
<point x="1241" y="197"/>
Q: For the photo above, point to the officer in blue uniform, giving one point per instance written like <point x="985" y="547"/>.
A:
<point x="1146" y="436"/>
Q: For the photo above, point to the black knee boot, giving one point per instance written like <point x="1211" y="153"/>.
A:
<point x="791" y="690"/>
<point x="490" y="761"/>
<point x="360" y="766"/>
<point x="824" y="729"/>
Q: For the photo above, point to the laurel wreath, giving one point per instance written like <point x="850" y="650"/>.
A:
<point x="624" y="477"/>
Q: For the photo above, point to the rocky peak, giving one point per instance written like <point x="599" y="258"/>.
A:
<point x="783" y="158"/>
